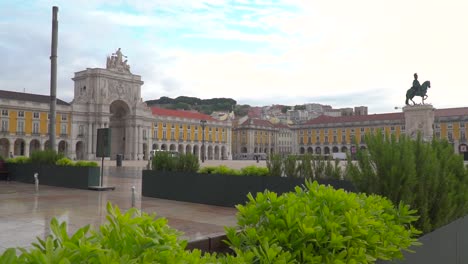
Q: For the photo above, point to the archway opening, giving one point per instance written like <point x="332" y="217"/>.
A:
<point x="4" y="147"/>
<point x="19" y="147"/>
<point x="80" y="150"/>
<point x="63" y="147"/>
<point x="119" y="111"/>
<point x="34" y="145"/>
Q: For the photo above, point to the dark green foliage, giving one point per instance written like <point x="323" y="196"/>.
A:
<point x="285" y="108"/>
<point x="290" y="166"/>
<point x="322" y="225"/>
<point x="206" y="106"/>
<point x="318" y="166"/>
<point x="45" y="157"/>
<point x="1" y="158"/>
<point x="275" y="165"/>
<point x="221" y="169"/>
<point x="427" y="175"/>
<point x="64" y="162"/>
<point x="241" y="110"/>
<point x="299" y="107"/>
<point x="167" y="161"/>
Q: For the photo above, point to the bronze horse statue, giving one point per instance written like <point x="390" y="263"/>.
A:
<point x="411" y="93"/>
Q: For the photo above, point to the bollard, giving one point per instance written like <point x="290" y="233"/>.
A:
<point x="133" y="196"/>
<point x="36" y="181"/>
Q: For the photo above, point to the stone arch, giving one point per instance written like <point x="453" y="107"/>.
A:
<point x="326" y="150"/>
<point x="188" y="149"/>
<point x="80" y="150"/>
<point x="119" y="111"/>
<point x="155" y="147"/>
<point x="19" y="147"/>
<point x="34" y="145"/>
<point x="180" y="149"/>
<point x="163" y="147"/>
<point x="265" y="150"/>
<point x="196" y="151"/>
<point x="172" y="147"/>
<point x="216" y="152"/>
<point x="272" y="151"/>
<point x="210" y="152"/>
<point x="244" y="150"/>
<point x="310" y="150"/>
<point x="335" y="149"/>
<point x="63" y="147"/>
<point x="344" y="149"/>
<point x="301" y="150"/>
<point x="4" y="147"/>
<point x="255" y="150"/>
<point x="363" y="147"/>
<point x="223" y="153"/>
<point x="318" y="150"/>
<point x="47" y="144"/>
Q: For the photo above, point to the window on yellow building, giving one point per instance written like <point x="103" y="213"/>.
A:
<point x="20" y="127"/>
<point x="4" y="125"/>
<point x="4" y="112"/>
<point x="36" y="115"/>
<point x="35" y="128"/>
<point x="63" y="129"/>
<point x="64" y="117"/>
<point x="20" y="113"/>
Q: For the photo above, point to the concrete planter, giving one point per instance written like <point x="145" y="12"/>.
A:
<point x="216" y="189"/>
<point x="60" y="176"/>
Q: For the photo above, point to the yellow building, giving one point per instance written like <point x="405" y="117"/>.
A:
<point x="326" y="134"/>
<point x="24" y="123"/>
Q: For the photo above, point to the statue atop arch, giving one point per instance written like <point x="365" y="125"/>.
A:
<point x="115" y="62"/>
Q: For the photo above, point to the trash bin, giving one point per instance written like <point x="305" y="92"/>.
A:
<point x="118" y="160"/>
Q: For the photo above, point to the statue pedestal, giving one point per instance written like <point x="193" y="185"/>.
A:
<point x="419" y="118"/>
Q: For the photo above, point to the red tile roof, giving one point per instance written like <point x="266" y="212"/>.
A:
<point x="181" y="113"/>
<point x="451" y="111"/>
<point x="257" y="122"/>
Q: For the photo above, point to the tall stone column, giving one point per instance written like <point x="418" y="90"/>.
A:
<point x="419" y="119"/>
<point x="26" y="148"/>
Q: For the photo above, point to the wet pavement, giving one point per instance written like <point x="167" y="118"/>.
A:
<point x="25" y="214"/>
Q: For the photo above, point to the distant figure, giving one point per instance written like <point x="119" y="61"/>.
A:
<point x="11" y="154"/>
<point x="416" y="85"/>
<point x="256" y="157"/>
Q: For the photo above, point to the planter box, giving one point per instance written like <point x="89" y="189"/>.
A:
<point x="216" y="189"/>
<point x="60" y="176"/>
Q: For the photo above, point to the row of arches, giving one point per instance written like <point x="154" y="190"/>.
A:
<point x="326" y="150"/>
<point x="211" y="153"/>
<point x="20" y="147"/>
<point x="258" y="150"/>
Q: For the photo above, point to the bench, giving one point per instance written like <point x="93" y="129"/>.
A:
<point x="3" y="171"/>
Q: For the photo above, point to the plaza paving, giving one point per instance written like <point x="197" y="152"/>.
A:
<point x="25" y="214"/>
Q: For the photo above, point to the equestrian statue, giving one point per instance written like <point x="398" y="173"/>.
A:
<point x="417" y="90"/>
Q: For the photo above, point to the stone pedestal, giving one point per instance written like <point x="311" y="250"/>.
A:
<point x="419" y="118"/>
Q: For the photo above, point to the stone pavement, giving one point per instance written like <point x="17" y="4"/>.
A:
<point x="25" y="214"/>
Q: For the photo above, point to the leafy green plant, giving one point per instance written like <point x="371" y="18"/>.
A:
<point x="45" y="157"/>
<point x="167" y="161"/>
<point x="275" y="165"/>
<point x="130" y="237"/>
<point x="427" y="175"/>
<point x="19" y="160"/>
<point x="163" y="161"/>
<point x="84" y="163"/>
<point x="1" y="158"/>
<point x="64" y="162"/>
<point x="319" y="224"/>
<point x="207" y="169"/>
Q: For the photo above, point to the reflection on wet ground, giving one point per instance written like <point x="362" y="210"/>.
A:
<point x="25" y="214"/>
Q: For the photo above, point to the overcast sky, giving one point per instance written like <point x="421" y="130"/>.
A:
<point x="344" y="53"/>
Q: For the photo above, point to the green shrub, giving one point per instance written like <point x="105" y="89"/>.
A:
<point x="130" y="237"/>
<point x="45" y="157"/>
<point x="275" y="165"/>
<point x="254" y="171"/>
<point x="427" y="175"/>
<point x="290" y="166"/>
<point x="1" y="158"/>
<point x="222" y="169"/>
<point x="64" y="162"/>
<point x="304" y="167"/>
<point x="19" y="160"/>
<point x="187" y="163"/>
<point x="321" y="225"/>
<point x="84" y="163"/>
<point x="163" y="161"/>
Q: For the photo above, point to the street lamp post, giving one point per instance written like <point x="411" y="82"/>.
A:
<point x="203" y="123"/>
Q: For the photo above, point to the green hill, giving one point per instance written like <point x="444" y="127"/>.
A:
<point x="206" y="106"/>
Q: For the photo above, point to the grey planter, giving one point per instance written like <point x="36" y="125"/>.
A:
<point x="216" y="189"/>
<point x="60" y="176"/>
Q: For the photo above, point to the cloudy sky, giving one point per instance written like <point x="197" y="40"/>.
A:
<point x="259" y="52"/>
